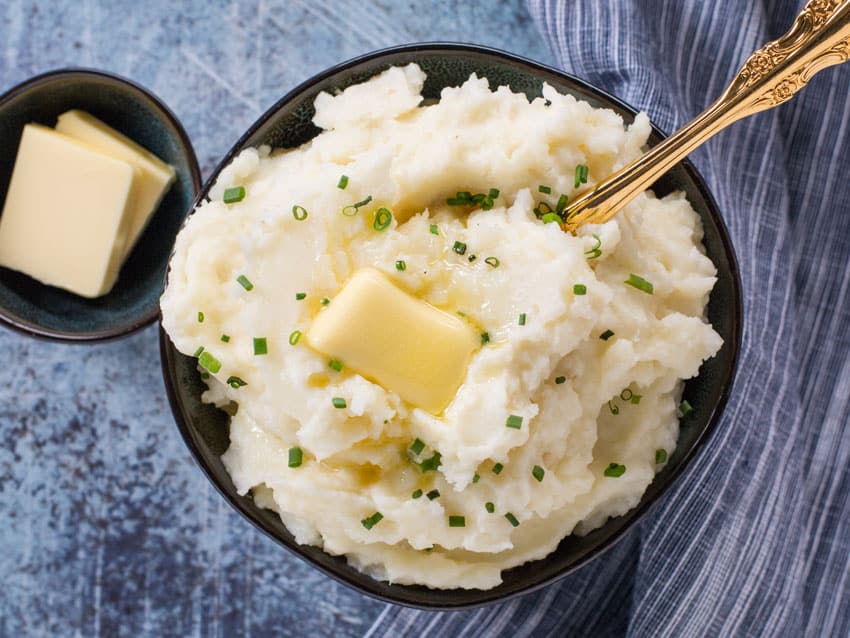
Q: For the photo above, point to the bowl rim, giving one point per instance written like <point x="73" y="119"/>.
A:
<point x="167" y="350"/>
<point x="30" y="329"/>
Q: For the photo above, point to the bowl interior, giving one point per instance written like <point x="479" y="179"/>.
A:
<point x="46" y="311"/>
<point x="287" y="124"/>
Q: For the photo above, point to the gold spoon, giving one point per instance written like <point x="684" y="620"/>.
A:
<point x="772" y="75"/>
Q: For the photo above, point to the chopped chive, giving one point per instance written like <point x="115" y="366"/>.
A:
<point x="339" y="403"/>
<point x="351" y="209"/>
<point x="225" y="338"/>
<point x="626" y="394"/>
<point x="236" y="382"/>
<point x="343" y="182"/>
<point x="636" y="399"/>
<point x="370" y="521"/>
<point x="497" y="468"/>
<point x="200" y="317"/>
<point x="544" y="189"/>
<point x="472" y="258"/>
<point x="581" y="175"/>
<point x="401" y="265"/>
<point x="514" y="422"/>
<point x="416" y="494"/>
<point x="542" y="208"/>
<point x="538" y="473"/>
<point x="205" y="375"/>
<point x="551" y="218"/>
<point x="640" y="283"/>
<point x="660" y="455"/>
<point x="335" y="364"/>
<point x="685" y="409"/>
<point x="489" y="507"/>
<point x="433" y="494"/>
<point x="245" y="282"/>
<point x="434" y="229"/>
<point x="206" y="360"/>
<point x="432" y="464"/>
<point x="560" y="380"/>
<point x="579" y="289"/>
<point x="456" y="201"/>
<point x="198" y="352"/>
<point x="325" y="301"/>
<point x="383" y="218"/>
<point x="459" y="247"/>
<point x="260" y="346"/>
<point x="614" y="470"/>
<point x="295" y="456"/>
<point x="417" y="446"/>
<point x="299" y="212"/>
<point x="233" y="195"/>
<point x="300" y="295"/>
<point x="512" y="519"/>
<point x="594" y="252"/>
<point x="562" y="203"/>
<point x="476" y="477"/>
<point x="606" y="335"/>
<point x="493" y="193"/>
<point x="294" y="336"/>
<point x="492" y="261"/>
<point x="522" y="319"/>
<point x="457" y="521"/>
<point x="485" y="338"/>
<point x="615" y="410"/>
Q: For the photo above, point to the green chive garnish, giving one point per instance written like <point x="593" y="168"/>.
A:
<point x="685" y="409"/>
<point x="522" y="319"/>
<point x="562" y="204"/>
<point x="433" y="494"/>
<point x="205" y="375"/>
<point x="492" y="261"/>
<point x="401" y="265"/>
<point x="206" y="360"/>
<point x="512" y="519"/>
<point x="594" y="252"/>
<point x="542" y="208"/>
<point x="639" y="282"/>
<point x="626" y="394"/>
<point x="497" y="469"/>
<point x="325" y="301"/>
<point x="538" y="473"/>
<point x="613" y="407"/>
<point x="339" y="403"/>
<point x="434" y="229"/>
<point x="295" y="456"/>
<point x="432" y="464"/>
<point x="299" y="212"/>
<point x="485" y="338"/>
<point x="370" y="521"/>
<point x="200" y="317"/>
<point x="459" y="247"/>
<point x="493" y="194"/>
<point x="457" y="521"/>
<point x="489" y="507"/>
<point x="476" y="477"/>
<point x="260" y="346"/>
<point x="514" y="422"/>
<point x="233" y="195"/>
<point x="552" y="218"/>
<point x="636" y="398"/>
<point x="606" y="335"/>
<point x="581" y="175"/>
<point x="300" y="295"/>
<point x="198" y="352"/>
<point x="343" y="182"/>
<point x="416" y="494"/>
<point x="225" y="338"/>
<point x="294" y="336"/>
<point x="660" y="455"/>
<point x="245" y="282"/>
<point x="417" y="446"/>
<point x="579" y="289"/>
<point x="335" y="364"/>
<point x="544" y="189"/>
<point x="351" y="209"/>
<point x="614" y="470"/>
<point x="560" y="380"/>
<point x="383" y="218"/>
<point x="235" y="382"/>
<point x="472" y="258"/>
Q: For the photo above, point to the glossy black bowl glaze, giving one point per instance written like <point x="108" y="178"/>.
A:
<point x="39" y="310"/>
<point x="288" y="123"/>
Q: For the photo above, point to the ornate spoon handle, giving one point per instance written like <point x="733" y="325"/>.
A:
<point x="772" y="75"/>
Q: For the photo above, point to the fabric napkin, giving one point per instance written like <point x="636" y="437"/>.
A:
<point x="755" y="538"/>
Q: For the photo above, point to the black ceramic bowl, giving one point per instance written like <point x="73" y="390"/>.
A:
<point x="286" y="124"/>
<point x="44" y="311"/>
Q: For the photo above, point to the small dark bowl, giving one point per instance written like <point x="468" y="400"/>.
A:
<point x="286" y="124"/>
<point x="38" y="310"/>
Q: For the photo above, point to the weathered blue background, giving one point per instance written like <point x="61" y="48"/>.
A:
<point x="108" y="528"/>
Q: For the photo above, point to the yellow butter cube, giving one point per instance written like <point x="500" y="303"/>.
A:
<point x="154" y="176"/>
<point x="395" y="339"/>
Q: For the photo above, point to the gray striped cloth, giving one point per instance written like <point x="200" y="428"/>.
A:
<point x="755" y="539"/>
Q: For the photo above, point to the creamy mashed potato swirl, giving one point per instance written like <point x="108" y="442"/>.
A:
<point x="574" y="391"/>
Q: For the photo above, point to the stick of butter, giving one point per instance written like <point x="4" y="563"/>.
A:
<point x="154" y="175"/>
<point x="401" y="342"/>
<point x="66" y="213"/>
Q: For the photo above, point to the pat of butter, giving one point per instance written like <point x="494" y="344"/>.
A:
<point x="401" y="342"/>
<point x="154" y="176"/>
<point x="65" y="217"/>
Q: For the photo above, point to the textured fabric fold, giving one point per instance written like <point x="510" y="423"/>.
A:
<point x="755" y="538"/>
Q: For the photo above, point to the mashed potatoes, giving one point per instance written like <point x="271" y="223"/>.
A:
<point x="568" y="406"/>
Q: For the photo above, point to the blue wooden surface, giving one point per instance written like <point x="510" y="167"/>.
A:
<point x="108" y="527"/>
